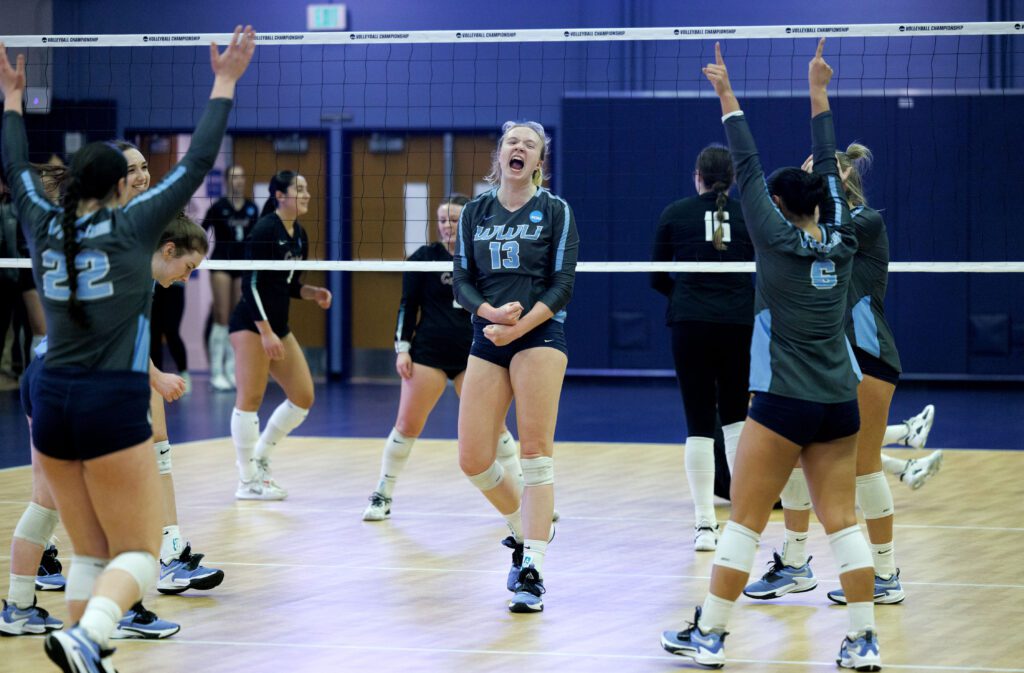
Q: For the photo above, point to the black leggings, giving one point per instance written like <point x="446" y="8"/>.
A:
<point x="168" y="308"/>
<point x="712" y="367"/>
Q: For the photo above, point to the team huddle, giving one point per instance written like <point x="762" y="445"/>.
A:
<point x="822" y="365"/>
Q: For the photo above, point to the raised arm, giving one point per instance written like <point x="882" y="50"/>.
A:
<point x="819" y="74"/>
<point x="33" y="208"/>
<point x="762" y="217"/>
<point x="154" y="208"/>
<point x="823" y="137"/>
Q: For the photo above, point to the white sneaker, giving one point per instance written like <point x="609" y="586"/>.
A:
<point x="919" y="471"/>
<point x="262" y="486"/>
<point x="705" y="536"/>
<point x="919" y="426"/>
<point x="221" y="383"/>
<point x="378" y="509"/>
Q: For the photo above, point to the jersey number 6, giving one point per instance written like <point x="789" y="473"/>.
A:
<point x="93" y="266"/>
<point x="823" y="274"/>
<point x="510" y="259"/>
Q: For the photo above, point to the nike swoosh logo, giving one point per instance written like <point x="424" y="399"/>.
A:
<point x="164" y="451"/>
<point x="282" y="242"/>
<point x="488" y="217"/>
<point x="547" y="341"/>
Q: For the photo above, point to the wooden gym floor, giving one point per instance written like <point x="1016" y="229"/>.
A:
<point x="309" y="587"/>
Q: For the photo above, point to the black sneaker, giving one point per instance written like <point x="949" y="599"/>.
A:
<point x="49" y="577"/>
<point x="517" y="562"/>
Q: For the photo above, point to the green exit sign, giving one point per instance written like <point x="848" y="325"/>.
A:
<point x="325" y="17"/>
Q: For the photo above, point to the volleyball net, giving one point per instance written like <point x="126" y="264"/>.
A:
<point x="386" y="125"/>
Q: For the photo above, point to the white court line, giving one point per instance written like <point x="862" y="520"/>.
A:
<point x="485" y="515"/>
<point x="564" y="655"/>
<point x="589" y="573"/>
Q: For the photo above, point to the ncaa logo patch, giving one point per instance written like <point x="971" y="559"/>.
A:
<point x="536" y="216"/>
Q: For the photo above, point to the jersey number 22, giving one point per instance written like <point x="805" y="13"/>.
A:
<point x="93" y="266"/>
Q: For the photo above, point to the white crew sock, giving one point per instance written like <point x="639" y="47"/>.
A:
<point x="170" y="544"/>
<point x="862" y="618"/>
<point x="534" y="552"/>
<point x="896" y="434"/>
<point x="100" y="618"/>
<point x="794" y="549"/>
<point x="714" y="616"/>
<point x="21" y="592"/>
<point x="700" y="473"/>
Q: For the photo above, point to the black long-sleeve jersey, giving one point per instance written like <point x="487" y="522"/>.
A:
<point x="230" y="227"/>
<point x="527" y="256"/>
<point x="266" y="295"/>
<point x="685" y="234"/>
<point x="428" y="312"/>
<point x="115" y="278"/>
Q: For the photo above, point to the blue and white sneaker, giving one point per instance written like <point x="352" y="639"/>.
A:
<point x="782" y="579"/>
<point x="141" y="623"/>
<point x="15" y="621"/>
<point x="529" y="588"/>
<point x="887" y="591"/>
<point x="517" y="562"/>
<point x="860" y="653"/>
<point x="75" y="652"/>
<point x="707" y="649"/>
<point x="184" y="573"/>
<point x="49" y="577"/>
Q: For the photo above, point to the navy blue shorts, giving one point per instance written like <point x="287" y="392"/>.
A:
<point x="80" y="414"/>
<point x="550" y="334"/>
<point x="875" y="368"/>
<point x="27" y="381"/>
<point x="803" y="422"/>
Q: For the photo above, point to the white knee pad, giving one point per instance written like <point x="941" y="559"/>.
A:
<point x="795" y="494"/>
<point x="36" y="525"/>
<point x="874" y="496"/>
<point x="489" y="478"/>
<point x="82" y="577"/>
<point x="736" y="548"/>
<point x="163" y="456"/>
<point x="142" y="566"/>
<point x="288" y="416"/>
<point x="538" y="471"/>
<point x="850" y="550"/>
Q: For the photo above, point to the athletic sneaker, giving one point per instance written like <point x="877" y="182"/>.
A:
<point x="75" y="652"/>
<point x="919" y="426"/>
<point x="220" y="383"/>
<point x="529" y="587"/>
<point x="918" y="471"/>
<point x="782" y="579"/>
<point x="707" y="649"/>
<point x="860" y="653"/>
<point x="184" y="573"/>
<point x="517" y="562"/>
<point x="49" y="577"/>
<point x="887" y="591"/>
<point x="262" y="486"/>
<point x="15" y="621"/>
<point x="378" y="509"/>
<point x="139" y="622"/>
<point x="705" y="536"/>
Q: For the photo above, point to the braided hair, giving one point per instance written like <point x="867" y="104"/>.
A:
<point x="95" y="172"/>
<point x="715" y="167"/>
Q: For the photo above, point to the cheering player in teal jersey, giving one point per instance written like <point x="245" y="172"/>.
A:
<point x="515" y="264"/>
<point x="802" y="375"/>
<point x="93" y="263"/>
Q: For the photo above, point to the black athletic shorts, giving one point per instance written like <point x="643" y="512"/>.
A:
<point x="240" y="320"/>
<point x="234" y="273"/>
<point x="27" y="381"/>
<point x="451" y="360"/>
